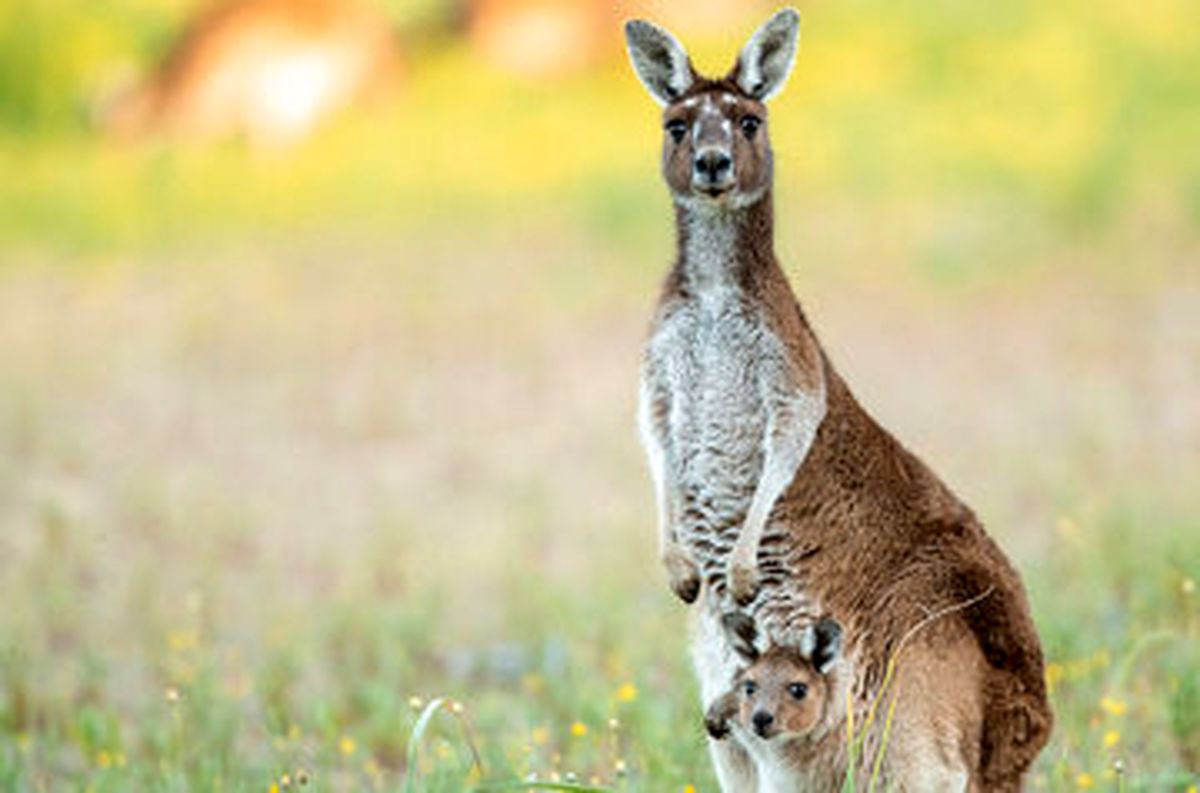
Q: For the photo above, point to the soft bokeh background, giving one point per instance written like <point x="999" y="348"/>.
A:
<point x="298" y="425"/>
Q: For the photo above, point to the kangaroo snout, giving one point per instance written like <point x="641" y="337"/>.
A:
<point x="763" y="722"/>
<point x="712" y="169"/>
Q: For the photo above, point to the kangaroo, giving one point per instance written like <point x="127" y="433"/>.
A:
<point x="268" y="69"/>
<point x="782" y="692"/>
<point x="777" y="492"/>
<point x="783" y="703"/>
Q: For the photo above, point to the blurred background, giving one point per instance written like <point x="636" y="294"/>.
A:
<point x="319" y="327"/>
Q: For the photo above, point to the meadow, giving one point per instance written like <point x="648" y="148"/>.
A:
<point x="292" y="445"/>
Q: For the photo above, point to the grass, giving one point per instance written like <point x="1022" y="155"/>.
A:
<point x="258" y="513"/>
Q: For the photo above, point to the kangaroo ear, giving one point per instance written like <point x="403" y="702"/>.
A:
<point x="660" y="61"/>
<point x="741" y="633"/>
<point x="826" y="642"/>
<point x="766" y="60"/>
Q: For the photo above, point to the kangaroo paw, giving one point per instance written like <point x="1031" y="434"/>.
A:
<point x="682" y="574"/>
<point x="743" y="578"/>
<point x="718" y="716"/>
<point x="718" y="729"/>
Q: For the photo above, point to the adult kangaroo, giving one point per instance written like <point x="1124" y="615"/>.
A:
<point x="778" y="493"/>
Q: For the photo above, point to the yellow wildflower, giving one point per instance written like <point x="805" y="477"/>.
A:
<point x="627" y="693"/>
<point x="1114" y="707"/>
<point x="689" y="789"/>
<point x="274" y="788"/>
<point x="1084" y="781"/>
<point x="103" y="759"/>
<point x="1068" y="528"/>
<point x="578" y="729"/>
<point x="285" y="781"/>
<point x="347" y="745"/>
<point x="181" y="640"/>
<point x="1054" y="674"/>
<point x="1112" y="738"/>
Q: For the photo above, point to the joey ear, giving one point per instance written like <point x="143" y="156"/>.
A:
<point x="661" y="62"/>
<point x="741" y="633"/>
<point x="826" y="644"/>
<point x="766" y="61"/>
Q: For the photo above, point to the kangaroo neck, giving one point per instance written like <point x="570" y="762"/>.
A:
<point x="724" y="247"/>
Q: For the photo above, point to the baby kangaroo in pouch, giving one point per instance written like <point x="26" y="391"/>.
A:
<point x="782" y="692"/>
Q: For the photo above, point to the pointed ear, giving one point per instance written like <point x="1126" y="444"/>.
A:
<point x="741" y="633"/>
<point x="660" y="61"/>
<point x="766" y="60"/>
<point x="823" y="644"/>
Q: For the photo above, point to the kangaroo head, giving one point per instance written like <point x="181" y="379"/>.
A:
<point x="784" y="691"/>
<point x="716" y="150"/>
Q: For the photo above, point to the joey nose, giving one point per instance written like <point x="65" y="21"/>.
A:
<point x="712" y="166"/>
<point x="762" y="722"/>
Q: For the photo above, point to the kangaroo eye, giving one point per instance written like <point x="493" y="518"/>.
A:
<point x="751" y="688"/>
<point x="678" y="128"/>
<point x="750" y="125"/>
<point x="798" y="690"/>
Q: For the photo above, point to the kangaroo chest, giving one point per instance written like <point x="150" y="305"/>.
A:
<point x="712" y="353"/>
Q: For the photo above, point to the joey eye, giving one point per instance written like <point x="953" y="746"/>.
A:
<point x="798" y="690"/>
<point x="678" y="128"/>
<point x="750" y="125"/>
<point x="751" y="688"/>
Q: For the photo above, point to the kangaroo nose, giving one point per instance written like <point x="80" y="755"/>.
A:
<point x="712" y="165"/>
<point x="763" y="721"/>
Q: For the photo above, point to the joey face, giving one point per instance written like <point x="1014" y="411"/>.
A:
<point x="715" y="145"/>
<point x="781" y="695"/>
<point x="785" y="691"/>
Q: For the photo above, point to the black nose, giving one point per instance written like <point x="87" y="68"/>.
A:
<point x="712" y="165"/>
<point x="763" y="720"/>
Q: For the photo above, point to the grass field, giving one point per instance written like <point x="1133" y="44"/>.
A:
<point x="292" y="445"/>
<point x="252" y="507"/>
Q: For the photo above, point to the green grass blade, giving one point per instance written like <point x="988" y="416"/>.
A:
<point x="412" y="771"/>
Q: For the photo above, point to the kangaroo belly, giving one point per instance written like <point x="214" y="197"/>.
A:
<point x="717" y="420"/>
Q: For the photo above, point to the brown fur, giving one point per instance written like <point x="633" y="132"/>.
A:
<point x="867" y="531"/>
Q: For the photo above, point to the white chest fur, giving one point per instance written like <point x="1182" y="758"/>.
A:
<point x="710" y="352"/>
